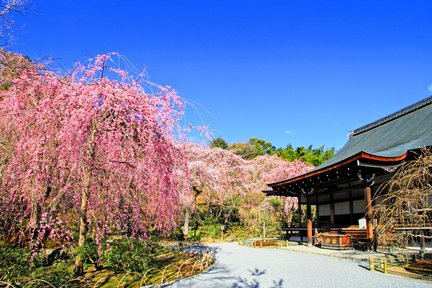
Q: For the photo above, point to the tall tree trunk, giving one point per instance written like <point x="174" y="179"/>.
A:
<point x="186" y="223"/>
<point x="79" y="268"/>
<point x="34" y="217"/>
<point x="87" y="170"/>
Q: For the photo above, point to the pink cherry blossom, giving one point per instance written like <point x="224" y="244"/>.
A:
<point x="97" y="134"/>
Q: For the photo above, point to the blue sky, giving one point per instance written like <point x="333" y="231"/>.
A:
<point x="299" y="72"/>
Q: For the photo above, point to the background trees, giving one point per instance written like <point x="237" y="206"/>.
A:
<point x="257" y="147"/>
<point x="219" y="143"/>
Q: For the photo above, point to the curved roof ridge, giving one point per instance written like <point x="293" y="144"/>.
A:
<point x="392" y="116"/>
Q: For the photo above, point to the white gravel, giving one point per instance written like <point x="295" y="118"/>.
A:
<point x="239" y="266"/>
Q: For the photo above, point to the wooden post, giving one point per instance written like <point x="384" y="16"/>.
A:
<point x="332" y="211"/>
<point x="352" y="220"/>
<point x="299" y="210"/>
<point x="369" y="224"/>
<point x="422" y="245"/>
<point x="309" y="232"/>
<point x="309" y="220"/>
<point x="308" y="208"/>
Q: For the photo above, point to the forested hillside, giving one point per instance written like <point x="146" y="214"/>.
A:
<point x="257" y="147"/>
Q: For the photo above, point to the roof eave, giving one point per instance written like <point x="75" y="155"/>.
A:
<point x="347" y="162"/>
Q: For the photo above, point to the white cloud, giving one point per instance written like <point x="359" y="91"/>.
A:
<point x="290" y="132"/>
<point x="430" y="88"/>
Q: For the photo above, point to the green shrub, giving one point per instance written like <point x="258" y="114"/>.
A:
<point x="122" y="255"/>
<point x="17" y="269"/>
<point x="240" y="232"/>
<point x="129" y="255"/>
<point x="176" y="235"/>
<point x="88" y="252"/>
<point x="58" y="275"/>
<point x="14" y="262"/>
<point x="210" y="230"/>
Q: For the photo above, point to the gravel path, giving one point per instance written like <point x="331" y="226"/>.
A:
<point x="240" y="267"/>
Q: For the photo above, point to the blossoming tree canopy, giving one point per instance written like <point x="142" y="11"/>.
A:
<point x="98" y="144"/>
<point x="224" y="179"/>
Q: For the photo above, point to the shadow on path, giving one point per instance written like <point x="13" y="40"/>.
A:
<point x="255" y="283"/>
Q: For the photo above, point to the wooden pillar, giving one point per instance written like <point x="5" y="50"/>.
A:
<point x="332" y="210"/>
<point x="369" y="224"/>
<point x="308" y="208"/>
<point x="352" y="220"/>
<point x="309" y="232"/>
<point x="299" y="210"/>
<point x="309" y="220"/>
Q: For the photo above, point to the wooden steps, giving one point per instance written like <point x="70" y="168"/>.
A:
<point x="355" y="233"/>
<point x="358" y="236"/>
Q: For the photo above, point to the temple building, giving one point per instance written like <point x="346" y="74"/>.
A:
<point x="343" y="189"/>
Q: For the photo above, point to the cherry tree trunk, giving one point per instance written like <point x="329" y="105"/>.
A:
<point x="186" y="223"/>
<point x="79" y="268"/>
<point x="34" y="216"/>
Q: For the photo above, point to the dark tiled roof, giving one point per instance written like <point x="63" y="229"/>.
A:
<point x="391" y="136"/>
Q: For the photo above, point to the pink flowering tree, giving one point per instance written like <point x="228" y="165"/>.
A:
<point x="98" y="146"/>
<point x="260" y="212"/>
<point x="216" y="176"/>
<point x="273" y="168"/>
<point x="227" y="185"/>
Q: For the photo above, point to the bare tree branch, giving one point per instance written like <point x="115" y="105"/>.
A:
<point x="7" y="10"/>
<point x="404" y="205"/>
